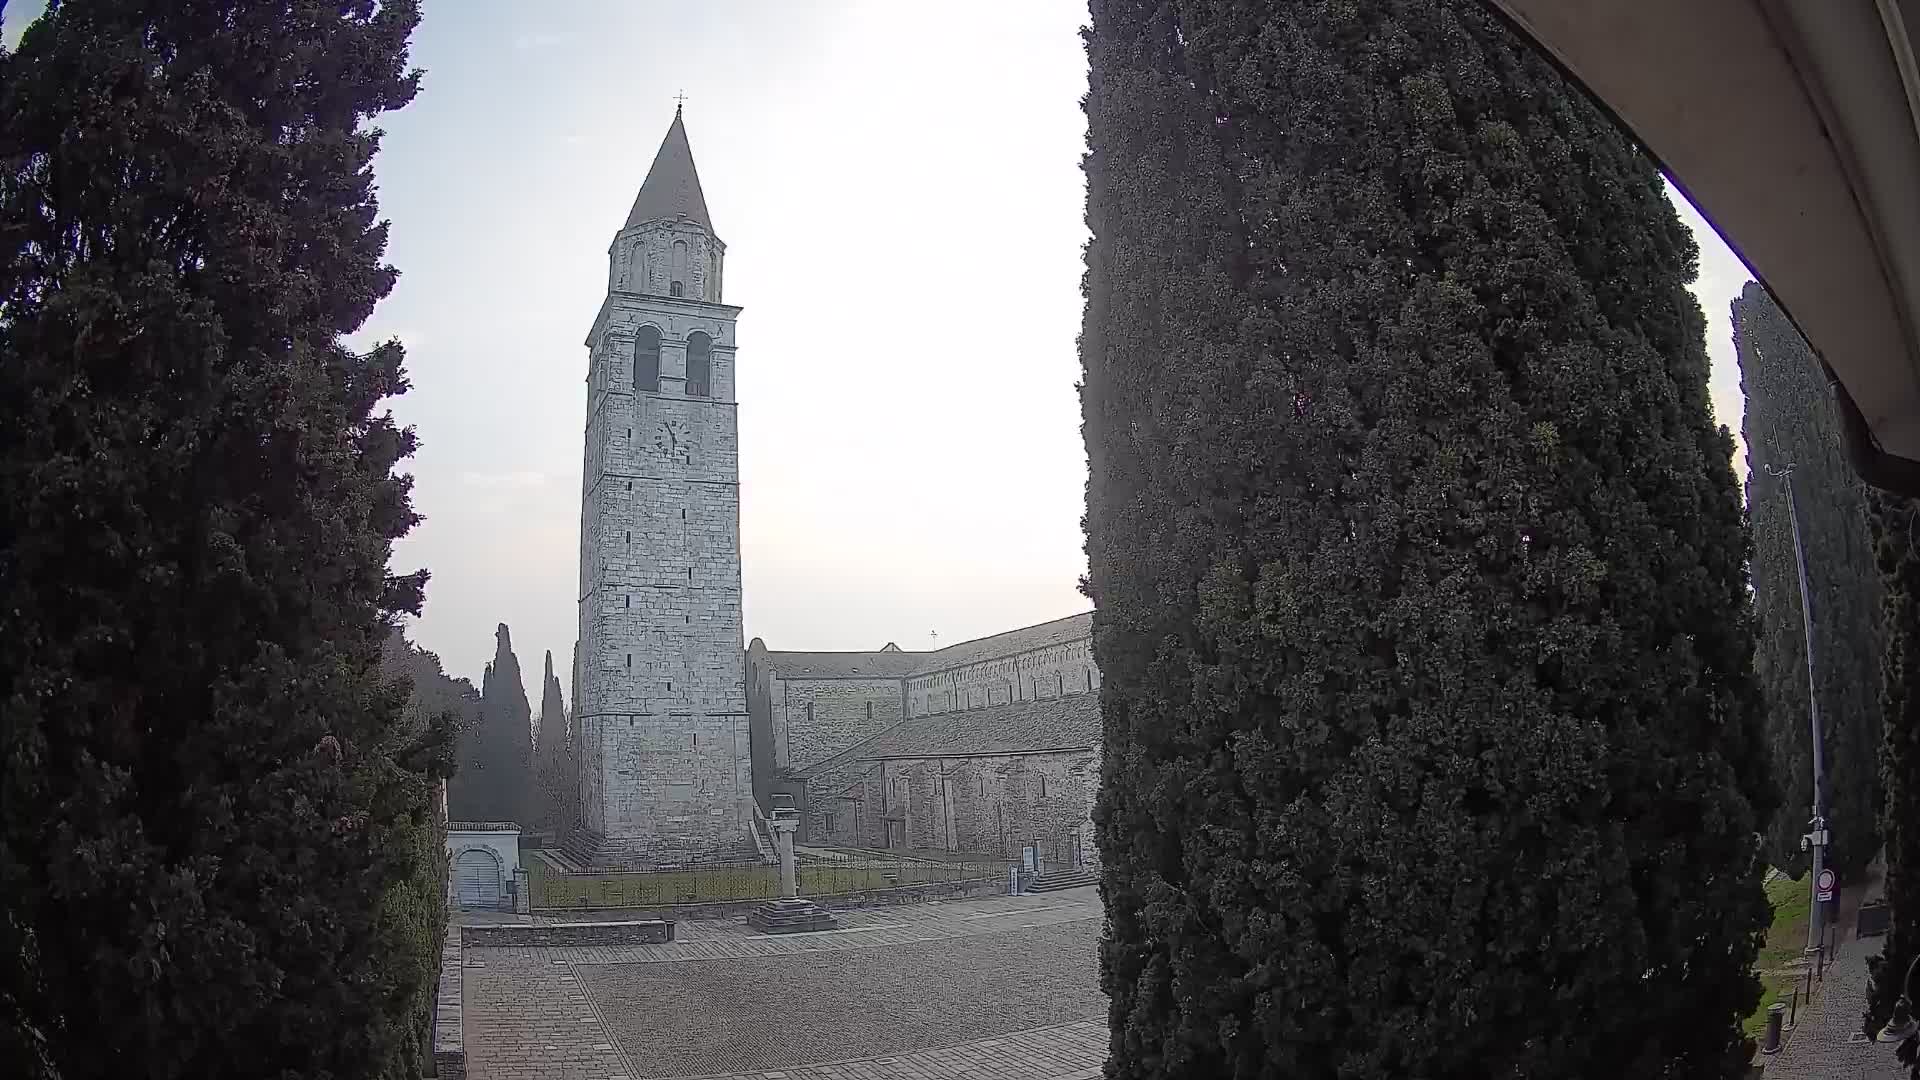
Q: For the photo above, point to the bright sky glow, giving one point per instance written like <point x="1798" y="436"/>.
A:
<point x="898" y="185"/>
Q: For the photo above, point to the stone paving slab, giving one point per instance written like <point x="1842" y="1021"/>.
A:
<point x="900" y="926"/>
<point x="1065" y="1052"/>
<point x="1002" y="989"/>
<point x="1823" y="1043"/>
<point x="535" y="1025"/>
<point x="782" y="1012"/>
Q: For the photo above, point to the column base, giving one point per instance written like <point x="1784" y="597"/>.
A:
<point x="792" y="915"/>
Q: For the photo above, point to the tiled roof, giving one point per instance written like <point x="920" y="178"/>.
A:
<point x="892" y="663"/>
<point x="1063" y="723"/>
<point x="842" y="665"/>
<point x="1059" y="631"/>
<point x="672" y="187"/>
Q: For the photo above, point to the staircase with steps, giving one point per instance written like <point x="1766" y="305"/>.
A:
<point x="1070" y="877"/>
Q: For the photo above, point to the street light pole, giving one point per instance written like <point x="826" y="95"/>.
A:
<point x="1816" y="838"/>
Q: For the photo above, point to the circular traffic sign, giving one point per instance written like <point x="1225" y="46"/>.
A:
<point x="1826" y="880"/>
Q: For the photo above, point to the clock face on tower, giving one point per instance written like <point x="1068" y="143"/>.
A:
<point x="670" y="441"/>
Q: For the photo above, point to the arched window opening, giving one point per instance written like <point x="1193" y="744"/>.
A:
<point x="679" y="279"/>
<point x="678" y="288"/>
<point x="699" y="365"/>
<point x="646" y="360"/>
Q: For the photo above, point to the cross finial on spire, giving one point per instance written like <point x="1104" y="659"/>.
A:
<point x="679" y="99"/>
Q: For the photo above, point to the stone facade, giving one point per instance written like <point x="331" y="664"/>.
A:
<point x="1034" y="663"/>
<point x="984" y="747"/>
<point x="982" y="781"/>
<point x="680" y="735"/>
<point x="660" y="706"/>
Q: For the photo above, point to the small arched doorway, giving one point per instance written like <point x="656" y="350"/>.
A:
<point x="476" y="879"/>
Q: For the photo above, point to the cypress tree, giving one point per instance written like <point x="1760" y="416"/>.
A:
<point x="1790" y="420"/>
<point x="1432" y="745"/>
<point x="212" y="802"/>
<point x="550" y="754"/>
<point x="1896" y="527"/>
<point x="470" y="795"/>
<point x="508" y="742"/>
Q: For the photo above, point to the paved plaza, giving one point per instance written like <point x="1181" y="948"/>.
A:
<point x="1004" y="988"/>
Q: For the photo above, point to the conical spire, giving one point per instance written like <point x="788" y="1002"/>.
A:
<point x="672" y="187"/>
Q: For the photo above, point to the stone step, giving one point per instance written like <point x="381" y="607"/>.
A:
<point x="791" y="916"/>
<point x="559" y="860"/>
<point x="1055" y="880"/>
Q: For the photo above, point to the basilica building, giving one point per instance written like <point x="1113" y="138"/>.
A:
<point x="988" y="747"/>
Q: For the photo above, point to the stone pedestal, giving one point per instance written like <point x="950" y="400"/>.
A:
<point x="791" y="915"/>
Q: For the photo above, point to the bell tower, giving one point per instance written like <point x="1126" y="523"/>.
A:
<point x="661" y="709"/>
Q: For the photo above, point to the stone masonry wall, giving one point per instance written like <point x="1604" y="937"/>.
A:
<point x="991" y="805"/>
<point x="641" y="260"/>
<point x="662" y="703"/>
<point x="1037" y="674"/>
<point x="814" y="719"/>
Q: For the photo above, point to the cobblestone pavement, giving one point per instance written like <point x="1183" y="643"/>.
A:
<point x="1067" y="1052"/>
<point x="1822" y="1045"/>
<point x="776" y="1012"/>
<point x="534" y="1025"/>
<point x="1001" y="988"/>
<point x="861" y="929"/>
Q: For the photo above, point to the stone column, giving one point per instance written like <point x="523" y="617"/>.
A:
<point x="788" y="912"/>
<point x="783" y="830"/>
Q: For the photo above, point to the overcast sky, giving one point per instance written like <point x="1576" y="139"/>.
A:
<point x="898" y="186"/>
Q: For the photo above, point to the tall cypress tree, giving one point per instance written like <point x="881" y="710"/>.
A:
<point x="210" y="793"/>
<point x="1432" y="741"/>
<point x="550" y="755"/>
<point x="1790" y="420"/>
<point x="508" y="746"/>
<point x="470" y="793"/>
<point x="1896" y="527"/>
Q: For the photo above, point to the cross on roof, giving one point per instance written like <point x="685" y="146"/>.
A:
<point x="679" y="99"/>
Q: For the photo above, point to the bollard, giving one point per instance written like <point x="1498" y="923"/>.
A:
<point x="1776" y="1012"/>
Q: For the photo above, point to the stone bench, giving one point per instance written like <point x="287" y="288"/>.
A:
<point x="526" y="935"/>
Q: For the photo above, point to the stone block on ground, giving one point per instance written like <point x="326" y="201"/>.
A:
<point x="525" y="935"/>
<point x="795" y="915"/>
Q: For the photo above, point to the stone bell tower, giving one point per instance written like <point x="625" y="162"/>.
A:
<point x="661" y="709"/>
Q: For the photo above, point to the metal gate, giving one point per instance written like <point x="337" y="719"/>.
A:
<point x="476" y="879"/>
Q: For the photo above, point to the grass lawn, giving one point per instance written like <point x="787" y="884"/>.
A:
<point x="1784" y="948"/>
<point x="656" y="888"/>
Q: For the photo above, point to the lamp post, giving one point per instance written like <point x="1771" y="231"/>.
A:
<point x="1816" y="838"/>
